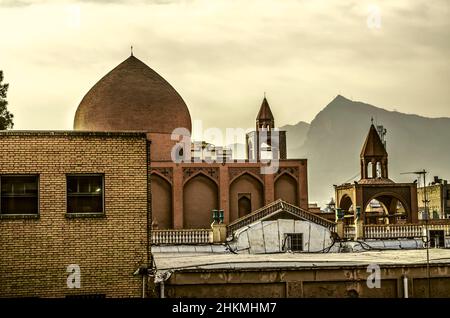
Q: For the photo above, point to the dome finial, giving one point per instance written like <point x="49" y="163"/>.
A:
<point x="132" y="51"/>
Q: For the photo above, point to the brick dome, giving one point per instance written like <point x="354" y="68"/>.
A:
<point x="132" y="97"/>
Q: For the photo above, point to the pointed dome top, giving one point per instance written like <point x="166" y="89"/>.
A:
<point x="264" y="112"/>
<point x="132" y="97"/>
<point x="373" y="146"/>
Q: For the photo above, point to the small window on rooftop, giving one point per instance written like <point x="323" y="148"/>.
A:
<point x="19" y="194"/>
<point x="294" y="242"/>
<point x="85" y="194"/>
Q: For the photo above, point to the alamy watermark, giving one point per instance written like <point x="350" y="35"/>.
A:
<point x="74" y="277"/>
<point x="262" y="145"/>
<point x="374" y="279"/>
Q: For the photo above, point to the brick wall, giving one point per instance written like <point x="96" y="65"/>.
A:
<point x="35" y="252"/>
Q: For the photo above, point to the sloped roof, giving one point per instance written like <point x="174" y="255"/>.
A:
<point x="279" y="207"/>
<point x="264" y="111"/>
<point x="373" y="146"/>
<point x="375" y="181"/>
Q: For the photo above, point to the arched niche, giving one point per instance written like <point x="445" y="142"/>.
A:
<point x="286" y="189"/>
<point x="248" y="186"/>
<point x="200" y="197"/>
<point x="244" y="204"/>
<point x="161" y="202"/>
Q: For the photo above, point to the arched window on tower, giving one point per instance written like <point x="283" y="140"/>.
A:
<point x="369" y="170"/>
<point x="379" y="175"/>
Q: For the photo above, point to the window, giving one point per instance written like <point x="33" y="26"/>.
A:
<point x="379" y="169"/>
<point x="370" y="171"/>
<point x="19" y="194"/>
<point x="294" y="241"/>
<point x="85" y="194"/>
<point x="244" y="204"/>
<point x="437" y="238"/>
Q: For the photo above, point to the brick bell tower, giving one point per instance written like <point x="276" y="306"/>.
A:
<point x="266" y="142"/>
<point x="374" y="157"/>
<point x="354" y="199"/>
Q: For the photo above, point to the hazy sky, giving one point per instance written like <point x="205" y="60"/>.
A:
<point x="221" y="55"/>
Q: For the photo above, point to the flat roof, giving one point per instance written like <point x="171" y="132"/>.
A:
<point x="229" y="261"/>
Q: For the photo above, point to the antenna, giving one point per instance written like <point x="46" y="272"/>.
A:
<point x="425" y="201"/>
<point x="422" y="172"/>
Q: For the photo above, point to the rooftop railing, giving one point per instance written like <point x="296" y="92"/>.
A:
<point x="194" y="236"/>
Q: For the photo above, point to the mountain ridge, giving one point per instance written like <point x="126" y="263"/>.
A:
<point x="336" y="135"/>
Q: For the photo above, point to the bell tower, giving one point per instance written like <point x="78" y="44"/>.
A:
<point x="266" y="142"/>
<point x="374" y="157"/>
<point x="265" y="119"/>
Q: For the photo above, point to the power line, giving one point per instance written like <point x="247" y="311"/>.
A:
<point x="350" y="179"/>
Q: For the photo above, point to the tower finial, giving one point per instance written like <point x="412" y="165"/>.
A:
<point x="264" y="94"/>
<point x="132" y="51"/>
<point x="371" y="120"/>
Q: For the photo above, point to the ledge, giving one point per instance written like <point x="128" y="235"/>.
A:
<point x="19" y="216"/>
<point x="69" y="133"/>
<point x="85" y="215"/>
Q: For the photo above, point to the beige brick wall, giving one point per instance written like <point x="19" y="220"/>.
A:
<point x="35" y="253"/>
<point x="434" y="196"/>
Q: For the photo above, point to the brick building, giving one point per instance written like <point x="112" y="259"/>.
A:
<point x="73" y="198"/>
<point x="438" y="197"/>
<point x="78" y="204"/>
<point x="133" y="96"/>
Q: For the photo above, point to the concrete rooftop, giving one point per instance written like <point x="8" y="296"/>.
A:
<point x="229" y="261"/>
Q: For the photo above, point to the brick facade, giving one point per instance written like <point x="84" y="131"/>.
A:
<point x="36" y="251"/>
<point x="223" y="174"/>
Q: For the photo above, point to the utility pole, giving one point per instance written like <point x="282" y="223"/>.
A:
<point x="427" y="240"/>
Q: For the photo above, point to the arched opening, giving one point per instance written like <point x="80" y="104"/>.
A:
<point x="385" y="209"/>
<point x="286" y="189"/>
<point x="346" y="205"/>
<point x="369" y="170"/>
<point x="161" y="202"/>
<point x="248" y="186"/>
<point x="379" y="174"/>
<point x="200" y="197"/>
<point x="244" y="204"/>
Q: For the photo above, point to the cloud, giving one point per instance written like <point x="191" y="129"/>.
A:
<point x="21" y="3"/>
<point x="15" y="3"/>
<point x="222" y="55"/>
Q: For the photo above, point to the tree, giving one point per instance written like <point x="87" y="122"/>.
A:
<point x="6" y="118"/>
